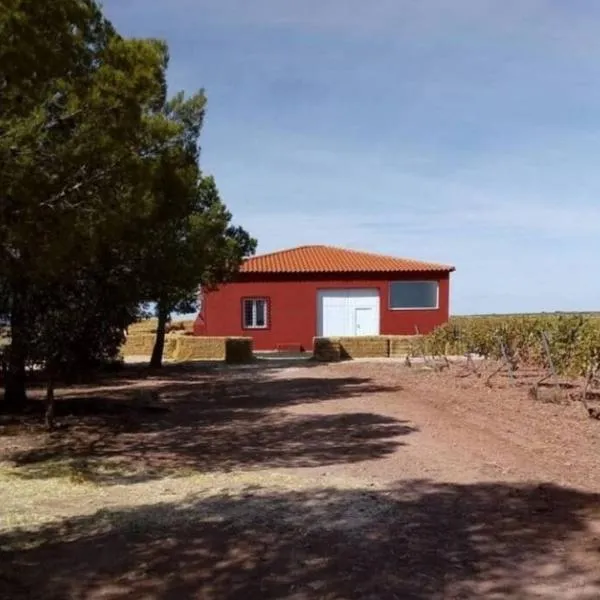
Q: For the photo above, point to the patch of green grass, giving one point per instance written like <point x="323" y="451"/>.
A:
<point x="76" y="471"/>
<point x="88" y="471"/>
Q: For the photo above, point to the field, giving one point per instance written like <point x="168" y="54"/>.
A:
<point x="359" y="480"/>
<point x="149" y="326"/>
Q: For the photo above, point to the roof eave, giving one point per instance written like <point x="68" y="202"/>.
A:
<point x="441" y="269"/>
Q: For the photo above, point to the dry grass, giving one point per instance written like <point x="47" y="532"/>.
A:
<point x="149" y="326"/>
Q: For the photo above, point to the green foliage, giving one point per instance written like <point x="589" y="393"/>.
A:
<point x="79" y="323"/>
<point x="190" y="239"/>
<point x="73" y="134"/>
<point x="102" y="204"/>
<point x="78" y="130"/>
<point x="573" y="340"/>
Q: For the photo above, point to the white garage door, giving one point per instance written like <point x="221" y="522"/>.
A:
<point x="348" y="312"/>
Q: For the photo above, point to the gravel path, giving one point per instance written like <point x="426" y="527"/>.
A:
<point x="354" y="481"/>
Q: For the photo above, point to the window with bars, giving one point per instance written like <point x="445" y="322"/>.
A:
<point x="255" y="313"/>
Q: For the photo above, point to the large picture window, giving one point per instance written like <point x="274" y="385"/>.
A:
<point x="407" y="295"/>
<point x="255" y="313"/>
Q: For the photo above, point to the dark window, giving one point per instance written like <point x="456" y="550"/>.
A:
<point x="255" y="313"/>
<point x="413" y="294"/>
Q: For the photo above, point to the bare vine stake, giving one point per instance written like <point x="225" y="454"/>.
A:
<point x="507" y="361"/>
<point x="469" y="368"/>
<point x="471" y="364"/>
<point x="590" y="381"/>
<point x="584" y="395"/>
<point x="431" y="362"/>
<point x="552" y="374"/>
<point x="551" y="366"/>
<point x="548" y="355"/>
<point x="422" y="347"/>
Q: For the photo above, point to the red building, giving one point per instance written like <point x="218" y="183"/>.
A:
<point x="286" y="298"/>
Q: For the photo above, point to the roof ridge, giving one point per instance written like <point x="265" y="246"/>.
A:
<point x="293" y="249"/>
<point x="273" y="252"/>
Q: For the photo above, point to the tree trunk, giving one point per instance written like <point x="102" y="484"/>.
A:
<point x="49" y="414"/>
<point x="159" y="345"/>
<point x="15" y="396"/>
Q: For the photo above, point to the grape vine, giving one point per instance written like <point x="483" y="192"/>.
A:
<point x="574" y="340"/>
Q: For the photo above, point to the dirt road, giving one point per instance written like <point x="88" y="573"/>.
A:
<point x="462" y="433"/>
<point x="354" y="481"/>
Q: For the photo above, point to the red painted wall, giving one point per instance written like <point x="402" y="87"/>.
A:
<point x="293" y="307"/>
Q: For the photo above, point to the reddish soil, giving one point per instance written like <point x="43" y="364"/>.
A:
<point x="363" y="480"/>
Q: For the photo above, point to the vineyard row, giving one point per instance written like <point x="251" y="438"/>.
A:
<point x="573" y="340"/>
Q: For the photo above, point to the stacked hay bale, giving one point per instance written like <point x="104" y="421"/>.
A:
<point x="327" y="349"/>
<point x="402" y="345"/>
<point x="378" y="346"/>
<point x="189" y="348"/>
<point x="180" y="346"/>
<point x="138" y="344"/>
<point x="364" y="347"/>
<point x="239" y="350"/>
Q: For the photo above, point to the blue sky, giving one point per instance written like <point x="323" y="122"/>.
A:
<point x="459" y="131"/>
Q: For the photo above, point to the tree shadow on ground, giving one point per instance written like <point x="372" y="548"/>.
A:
<point x="128" y="373"/>
<point x="418" y="540"/>
<point x="210" y="423"/>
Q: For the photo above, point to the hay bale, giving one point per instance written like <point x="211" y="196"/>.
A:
<point x="174" y="327"/>
<point x="327" y="349"/>
<point x="150" y="326"/>
<point x="364" y="347"/>
<point x="142" y="344"/>
<point x="239" y="350"/>
<point x="229" y="349"/>
<point x="146" y="326"/>
<point x="170" y="347"/>
<point x="180" y="346"/>
<point x="401" y="345"/>
<point x="376" y="346"/>
<point x="199" y="348"/>
<point x="138" y="344"/>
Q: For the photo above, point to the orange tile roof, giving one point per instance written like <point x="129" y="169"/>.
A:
<point x="328" y="259"/>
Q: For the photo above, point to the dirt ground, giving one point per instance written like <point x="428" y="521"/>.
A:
<point x="362" y="480"/>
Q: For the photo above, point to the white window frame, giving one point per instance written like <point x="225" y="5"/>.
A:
<point x="437" y="295"/>
<point x="253" y="301"/>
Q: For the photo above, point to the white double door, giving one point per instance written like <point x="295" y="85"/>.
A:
<point x="347" y="312"/>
